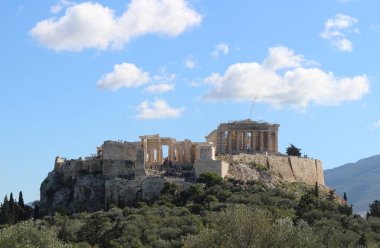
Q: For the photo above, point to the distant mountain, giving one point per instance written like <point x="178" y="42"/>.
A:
<point x="360" y="180"/>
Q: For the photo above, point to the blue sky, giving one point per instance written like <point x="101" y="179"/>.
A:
<point x="74" y="74"/>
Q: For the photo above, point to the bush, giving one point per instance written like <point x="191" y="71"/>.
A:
<point x="30" y="234"/>
<point x="241" y="226"/>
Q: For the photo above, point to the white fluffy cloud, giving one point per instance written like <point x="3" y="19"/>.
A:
<point x="376" y="125"/>
<point x="190" y="63"/>
<point x="159" y="88"/>
<point x="92" y="25"/>
<point x="220" y="49"/>
<point x="282" y="79"/>
<point x="336" y="29"/>
<point x="159" y="109"/>
<point x="123" y="75"/>
<point x="55" y="9"/>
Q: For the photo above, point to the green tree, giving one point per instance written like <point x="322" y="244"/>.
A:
<point x="374" y="208"/>
<point x="362" y="242"/>
<point x="209" y="199"/>
<point x="95" y="229"/>
<point x="21" y="200"/>
<point x="291" y="150"/>
<point x="36" y="212"/>
<point x="241" y="226"/>
<point x="305" y="204"/>
<point x="345" y="196"/>
<point x="331" y="195"/>
<point x="170" y="188"/>
<point x="12" y="210"/>
<point x="31" y="235"/>
<point x="6" y="215"/>
<point x="210" y="179"/>
<point x="316" y="190"/>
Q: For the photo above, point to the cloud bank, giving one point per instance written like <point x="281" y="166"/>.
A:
<point x="284" y="80"/>
<point x="92" y="25"/>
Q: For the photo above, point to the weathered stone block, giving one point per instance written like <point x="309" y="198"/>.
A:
<point x="118" y="168"/>
<point x="218" y="167"/>
<point x="304" y="169"/>
<point x="121" y="191"/>
<point x="120" y="150"/>
<point x="319" y="168"/>
<point x="152" y="187"/>
<point x="280" y="165"/>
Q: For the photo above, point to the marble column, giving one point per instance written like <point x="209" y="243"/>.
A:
<point x="151" y="153"/>
<point x="270" y="146"/>
<point x="229" y="140"/>
<point x="187" y="152"/>
<point x="180" y="155"/>
<point x="145" y="147"/>
<point x="237" y="139"/>
<point x="244" y="141"/>
<point x="175" y="154"/>
<point x="253" y="140"/>
<point x="171" y="152"/>
<point x="275" y="142"/>
<point x="261" y="148"/>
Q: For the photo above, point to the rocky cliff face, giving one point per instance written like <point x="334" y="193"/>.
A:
<point x="85" y="193"/>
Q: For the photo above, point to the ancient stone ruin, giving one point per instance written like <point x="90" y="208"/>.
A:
<point x="123" y="172"/>
<point x="245" y="136"/>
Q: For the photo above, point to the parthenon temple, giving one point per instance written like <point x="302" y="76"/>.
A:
<point x="245" y="136"/>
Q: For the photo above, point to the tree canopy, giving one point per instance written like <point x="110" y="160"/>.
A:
<point x="292" y="150"/>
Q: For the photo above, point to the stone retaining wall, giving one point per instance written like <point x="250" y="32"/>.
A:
<point x="290" y="168"/>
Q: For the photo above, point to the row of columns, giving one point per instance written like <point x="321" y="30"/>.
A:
<point x="179" y="153"/>
<point x="247" y="140"/>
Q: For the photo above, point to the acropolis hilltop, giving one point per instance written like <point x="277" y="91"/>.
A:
<point x="122" y="172"/>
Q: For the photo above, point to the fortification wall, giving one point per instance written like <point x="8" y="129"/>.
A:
<point x="290" y="168"/>
<point x="319" y="168"/>
<point x="140" y="164"/>
<point x="218" y="167"/>
<point x="121" y="191"/>
<point x="67" y="170"/>
<point x="120" y="150"/>
<point x="152" y="187"/>
<point x="118" y="168"/>
<point x="304" y="169"/>
<point x="79" y="168"/>
<point x="281" y="165"/>
<point x="94" y="165"/>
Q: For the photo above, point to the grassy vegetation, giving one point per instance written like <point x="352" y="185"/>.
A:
<point x="258" y="167"/>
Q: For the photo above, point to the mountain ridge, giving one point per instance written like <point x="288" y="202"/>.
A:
<point x="360" y="181"/>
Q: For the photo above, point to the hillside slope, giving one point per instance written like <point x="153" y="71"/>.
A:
<point x="360" y="180"/>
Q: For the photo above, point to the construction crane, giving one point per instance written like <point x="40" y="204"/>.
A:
<point x="252" y="108"/>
